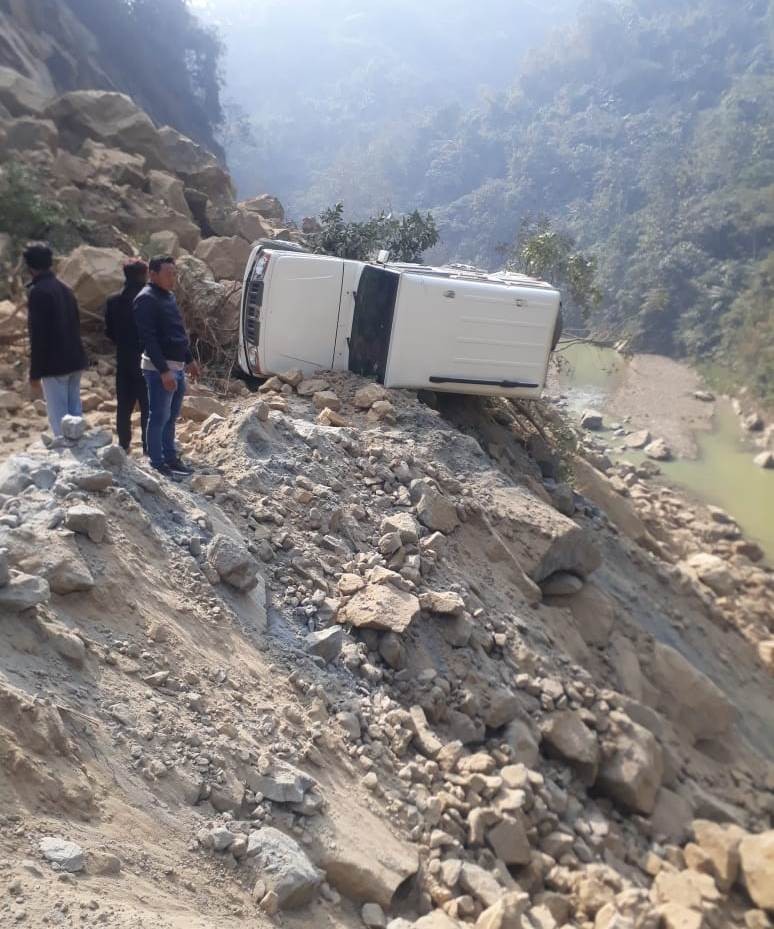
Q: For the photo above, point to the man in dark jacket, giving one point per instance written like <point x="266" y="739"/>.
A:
<point x="57" y="356"/>
<point x="122" y="329"/>
<point x="165" y="359"/>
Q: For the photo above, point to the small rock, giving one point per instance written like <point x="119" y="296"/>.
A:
<point x="637" y="439"/>
<point x="232" y="562"/>
<point x="444" y="603"/>
<point x="92" y="480"/>
<point x="705" y="396"/>
<point x="112" y="456"/>
<point x="326" y="643"/>
<point x="564" y="734"/>
<point x="764" y="460"/>
<point x="326" y="399"/>
<point x="67" y="856"/>
<point x="509" y="841"/>
<point x="437" y="512"/>
<point x="73" y="427"/>
<point x="381" y="606"/>
<point x="366" y="396"/>
<point x="592" y="420"/>
<point x="87" y="520"/>
<point x="658" y="450"/>
<point x="329" y="417"/>
<point x="309" y="388"/>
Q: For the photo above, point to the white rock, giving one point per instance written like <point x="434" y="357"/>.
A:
<point x="67" y="856"/>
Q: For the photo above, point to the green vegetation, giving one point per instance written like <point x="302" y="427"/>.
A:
<point x="25" y="213"/>
<point x="406" y="238"/>
<point x="543" y="252"/>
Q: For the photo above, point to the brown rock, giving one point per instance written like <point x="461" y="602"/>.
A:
<point x="756" y="858"/>
<point x="381" y="606"/>
<point x="565" y="735"/>
<point x="720" y="843"/>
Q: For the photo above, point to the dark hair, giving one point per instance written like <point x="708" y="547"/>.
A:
<point x="38" y="256"/>
<point x="158" y="260"/>
<point x="135" y="269"/>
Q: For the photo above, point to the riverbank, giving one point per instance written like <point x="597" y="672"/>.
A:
<point x="713" y="456"/>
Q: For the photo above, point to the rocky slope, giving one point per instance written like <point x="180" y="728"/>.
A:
<point x="373" y="664"/>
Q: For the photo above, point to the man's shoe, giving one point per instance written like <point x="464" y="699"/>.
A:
<point x="177" y="467"/>
<point x="163" y="470"/>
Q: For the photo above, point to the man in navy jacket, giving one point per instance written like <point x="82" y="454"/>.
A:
<point x="166" y="358"/>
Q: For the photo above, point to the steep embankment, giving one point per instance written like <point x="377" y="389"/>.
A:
<point x="363" y="658"/>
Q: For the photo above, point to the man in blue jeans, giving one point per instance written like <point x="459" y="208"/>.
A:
<point x="57" y="356"/>
<point x="166" y="358"/>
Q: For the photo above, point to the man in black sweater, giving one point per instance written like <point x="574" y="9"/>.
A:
<point x="121" y="329"/>
<point x="165" y="359"/>
<point x="57" y="356"/>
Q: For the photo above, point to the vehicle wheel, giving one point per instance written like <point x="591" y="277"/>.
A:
<point x="557" y="330"/>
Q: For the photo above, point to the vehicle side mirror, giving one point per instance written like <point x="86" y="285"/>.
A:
<point x="382" y="256"/>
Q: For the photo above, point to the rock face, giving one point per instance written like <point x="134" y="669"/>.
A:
<point x="284" y="867"/>
<point x="689" y="697"/>
<point x="632" y="766"/>
<point x="233" y="563"/>
<point x="93" y="274"/>
<point x="381" y="606"/>
<point x="756" y="858"/>
<point x="565" y="735"/>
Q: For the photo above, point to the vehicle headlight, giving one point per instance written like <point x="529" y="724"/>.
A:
<point x="252" y="356"/>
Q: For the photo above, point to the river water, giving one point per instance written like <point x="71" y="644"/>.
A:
<point x="723" y="472"/>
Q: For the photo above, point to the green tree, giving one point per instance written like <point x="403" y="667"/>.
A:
<point x="543" y="252"/>
<point x="405" y="237"/>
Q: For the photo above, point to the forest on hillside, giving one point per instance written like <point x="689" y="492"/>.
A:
<point x="644" y="128"/>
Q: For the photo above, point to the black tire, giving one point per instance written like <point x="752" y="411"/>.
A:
<point x="557" y="329"/>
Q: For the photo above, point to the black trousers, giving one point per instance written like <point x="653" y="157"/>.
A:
<point x="130" y="391"/>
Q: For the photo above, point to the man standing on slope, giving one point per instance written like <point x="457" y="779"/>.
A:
<point x="121" y="329"/>
<point x="57" y="356"/>
<point x="165" y="359"/>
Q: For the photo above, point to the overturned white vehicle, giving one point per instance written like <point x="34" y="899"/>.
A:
<point x="452" y="329"/>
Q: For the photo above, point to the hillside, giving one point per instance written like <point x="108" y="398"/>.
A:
<point x="641" y="127"/>
<point x="378" y="663"/>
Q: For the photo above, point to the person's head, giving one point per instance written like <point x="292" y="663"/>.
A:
<point x="162" y="271"/>
<point x="135" y="272"/>
<point x="38" y="257"/>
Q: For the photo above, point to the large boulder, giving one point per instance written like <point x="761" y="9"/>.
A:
<point x="756" y="858"/>
<point x="382" y="607"/>
<point x="21" y="96"/>
<point x="113" y="166"/>
<point x="108" y="117"/>
<point x="593" y="611"/>
<point x="93" y="274"/>
<point x="26" y="133"/>
<point x="196" y="166"/>
<point x="170" y="190"/>
<point x="267" y="206"/>
<point x="205" y="301"/>
<point x="362" y="858"/>
<point x="688" y="697"/>
<point x="226" y="257"/>
<point x="719" y="843"/>
<point x="542" y="540"/>
<point x="142" y="219"/>
<point x="22" y="592"/>
<point x="632" y="765"/>
<point x="283" y="867"/>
